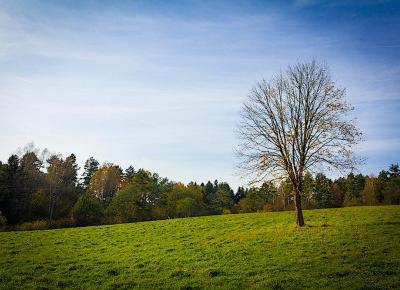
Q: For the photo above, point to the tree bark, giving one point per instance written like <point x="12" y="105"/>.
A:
<point x="299" y="212"/>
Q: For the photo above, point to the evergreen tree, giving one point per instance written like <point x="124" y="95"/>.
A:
<point x="9" y="186"/>
<point x="129" y="173"/>
<point x="308" y="186"/>
<point x="394" y="170"/>
<point x="240" y="193"/>
<point x="90" y="167"/>
<point x="322" y="192"/>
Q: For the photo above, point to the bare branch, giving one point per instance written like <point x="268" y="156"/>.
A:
<point x="294" y="123"/>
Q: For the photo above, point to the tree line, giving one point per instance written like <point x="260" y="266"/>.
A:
<point x="42" y="190"/>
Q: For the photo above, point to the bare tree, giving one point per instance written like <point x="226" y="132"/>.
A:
<point x="296" y="123"/>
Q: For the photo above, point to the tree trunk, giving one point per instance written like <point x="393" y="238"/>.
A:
<point x="51" y="208"/>
<point x="299" y="212"/>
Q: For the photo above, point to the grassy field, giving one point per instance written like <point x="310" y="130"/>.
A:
<point x="355" y="248"/>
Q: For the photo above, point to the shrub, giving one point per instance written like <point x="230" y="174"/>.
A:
<point x="159" y="213"/>
<point x="87" y="211"/>
<point x="267" y="207"/>
<point x="32" y="226"/>
<point x="62" y="223"/>
<point x="226" y="211"/>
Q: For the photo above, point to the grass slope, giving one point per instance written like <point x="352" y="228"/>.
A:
<point x="339" y="248"/>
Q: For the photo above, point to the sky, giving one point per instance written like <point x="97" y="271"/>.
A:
<point x="160" y="84"/>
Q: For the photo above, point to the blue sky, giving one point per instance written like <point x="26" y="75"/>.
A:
<point x="159" y="84"/>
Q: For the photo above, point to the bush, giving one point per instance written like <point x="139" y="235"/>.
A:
<point x="62" y="223"/>
<point x="267" y="207"/>
<point x="32" y="226"/>
<point x="159" y="213"/>
<point x="87" y="211"/>
<point x="226" y="211"/>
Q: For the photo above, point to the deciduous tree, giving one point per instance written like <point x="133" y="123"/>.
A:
<point x="105" y="182"/>
<point x="296" y="123"/>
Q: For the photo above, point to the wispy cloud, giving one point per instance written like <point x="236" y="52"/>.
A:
<point x="161" y="86"/>
<point x="376" y="145"/>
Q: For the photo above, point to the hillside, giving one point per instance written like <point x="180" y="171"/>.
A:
<point x="339" y="248"/>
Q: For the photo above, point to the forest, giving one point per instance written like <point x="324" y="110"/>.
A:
<point x="39" y="190"/>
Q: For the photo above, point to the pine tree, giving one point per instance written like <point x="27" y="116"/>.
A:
<point x="91" y="166"/>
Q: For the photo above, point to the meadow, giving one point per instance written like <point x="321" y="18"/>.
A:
<point x="352" y="248"/>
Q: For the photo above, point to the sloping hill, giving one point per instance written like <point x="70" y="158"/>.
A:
<point x="355" y="247"/>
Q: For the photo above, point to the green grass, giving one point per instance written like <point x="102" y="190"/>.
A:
<point x="356" y="248"/>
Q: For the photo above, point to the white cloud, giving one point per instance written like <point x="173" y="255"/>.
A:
<point x="158" y="89"/>
<point x="375" y="146"/>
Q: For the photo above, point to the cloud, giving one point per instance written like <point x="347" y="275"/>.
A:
<point x="161" y="88"/>
<point x="375" y="146"/>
